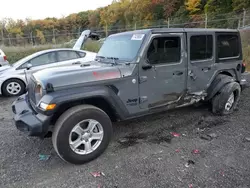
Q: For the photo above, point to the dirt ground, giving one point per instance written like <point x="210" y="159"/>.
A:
<point x="188" y="147"/>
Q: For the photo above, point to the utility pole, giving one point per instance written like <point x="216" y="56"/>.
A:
<point x="106" y="29"/>
<point x="206" y="21"/>
<point x="244" y="17"/>
<point x="54" y="37"/>
<point x="168" y="22"/>
<point x="31" y="38"/>
<point x="2" y="36"/>
<point x="9" y="40"/>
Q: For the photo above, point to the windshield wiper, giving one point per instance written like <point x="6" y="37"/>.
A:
<point x="99" y="57"/>
<point x="114" y="60"/>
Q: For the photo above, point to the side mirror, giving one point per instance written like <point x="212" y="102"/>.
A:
<point x="28" y="67"/>
<point x="146" y="65"/>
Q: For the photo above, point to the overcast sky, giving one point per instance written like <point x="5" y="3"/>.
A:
<point x="39" y="9"/>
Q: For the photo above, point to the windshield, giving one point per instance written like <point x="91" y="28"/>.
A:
<point x="25" y="59"/>
<point x="123" y="47"/>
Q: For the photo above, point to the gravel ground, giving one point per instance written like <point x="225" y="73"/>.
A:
<point x="143" y="153"/>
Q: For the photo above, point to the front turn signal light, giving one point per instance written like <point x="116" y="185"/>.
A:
<point x="45" y="106"/>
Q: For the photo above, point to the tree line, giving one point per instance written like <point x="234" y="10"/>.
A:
<point x="131" y="14"/>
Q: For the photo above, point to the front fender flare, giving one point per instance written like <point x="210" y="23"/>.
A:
<point x="77" y="94"/>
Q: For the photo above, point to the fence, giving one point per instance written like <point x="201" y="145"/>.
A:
<point x="56" y="37"/>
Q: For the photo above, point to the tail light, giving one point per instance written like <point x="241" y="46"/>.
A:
<point x="5" y="58"/>
<point x="243" y="68"/>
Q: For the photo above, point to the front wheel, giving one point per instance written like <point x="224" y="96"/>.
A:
<point x="13" y="87"/>
<point x="226" y="101"/>
<point x="82" y="134"/>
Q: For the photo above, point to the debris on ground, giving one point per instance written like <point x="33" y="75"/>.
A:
<point x="213" y="135"/>
<point x="190" y="185"/>
<point x="97" y="174"/>
<point x="177" y="150"/>
<point x="195" y="151"/>
<point x="43" y="157"/>
<point x="200" y="130"/>
<point x="122" y="140"/>
<point x="247" y="139"/>
<point x="208" y="137"/>
<point x="175" y="134"/>
<point x="189" y="163"/>
<point x="222" y="173"/>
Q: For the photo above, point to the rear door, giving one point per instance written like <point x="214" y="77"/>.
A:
<point x="201" y="59"/>
<point x="68" y="57"/>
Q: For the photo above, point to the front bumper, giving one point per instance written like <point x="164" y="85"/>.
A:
<point x="27" y="120"/>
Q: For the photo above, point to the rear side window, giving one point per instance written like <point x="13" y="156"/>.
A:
<point x="67" y="55"/>
<point x="228" y="46"/>
<point x="201" y="47"/>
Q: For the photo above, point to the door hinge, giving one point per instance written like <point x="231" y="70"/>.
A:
<point x="142" y="79"/>
<point x="143" y="99"/>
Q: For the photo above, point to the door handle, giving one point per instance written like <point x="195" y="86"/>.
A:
<point x="178" y="73"/>
<point x="206" y="69"/>
<point x="76" y="63"/>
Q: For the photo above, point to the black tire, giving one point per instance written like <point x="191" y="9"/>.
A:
<point x="66" y="123"/>
<point x="7" y="93"/>
<point x="219" y="101"/>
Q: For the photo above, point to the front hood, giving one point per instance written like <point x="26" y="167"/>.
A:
<point x="4" y="68"/>
<point x="72" y="75"/>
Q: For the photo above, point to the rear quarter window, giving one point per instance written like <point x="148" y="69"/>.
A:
<point x="228" y="46"/>
<point x="82" y="54"/>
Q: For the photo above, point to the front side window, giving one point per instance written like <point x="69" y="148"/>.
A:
<point x="124" y="46"/>
<point x="164" y="50"/>
<point x="201" y="47"/>
<point x="67" y="55"/>
<point x="228" y="46"/>
<point x="42" y="59"/>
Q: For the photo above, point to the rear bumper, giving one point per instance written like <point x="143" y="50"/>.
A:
<point x="244" y="84"/>
<point x="28" y="121"/>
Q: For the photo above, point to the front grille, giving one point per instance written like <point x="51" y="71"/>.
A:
<point x="31" y="90"/>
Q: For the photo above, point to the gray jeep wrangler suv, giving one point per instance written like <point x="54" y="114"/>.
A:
<point x="134" y="74"/>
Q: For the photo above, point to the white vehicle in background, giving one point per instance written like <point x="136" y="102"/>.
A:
<point x="13" y="78"/>
<point x="3" y="59"/>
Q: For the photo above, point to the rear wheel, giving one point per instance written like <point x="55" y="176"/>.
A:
<point x="82" y="134"/>
<point x="226" y="101"/>
<point x="13" y="87"/>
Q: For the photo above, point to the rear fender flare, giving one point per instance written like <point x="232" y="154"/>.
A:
<point x="219" y="81"/>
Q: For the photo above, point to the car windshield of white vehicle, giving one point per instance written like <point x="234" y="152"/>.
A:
<point x="122" y="47"/>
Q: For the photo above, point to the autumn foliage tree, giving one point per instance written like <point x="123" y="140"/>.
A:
<point x="124" y="15"/>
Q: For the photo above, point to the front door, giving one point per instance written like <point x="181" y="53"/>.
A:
<point x="165" y="82"/>
<point x="47" y="60"/>
<point x="201" y="60"/>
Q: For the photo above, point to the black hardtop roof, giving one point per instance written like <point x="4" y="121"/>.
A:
<point x="175" y="30"/>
